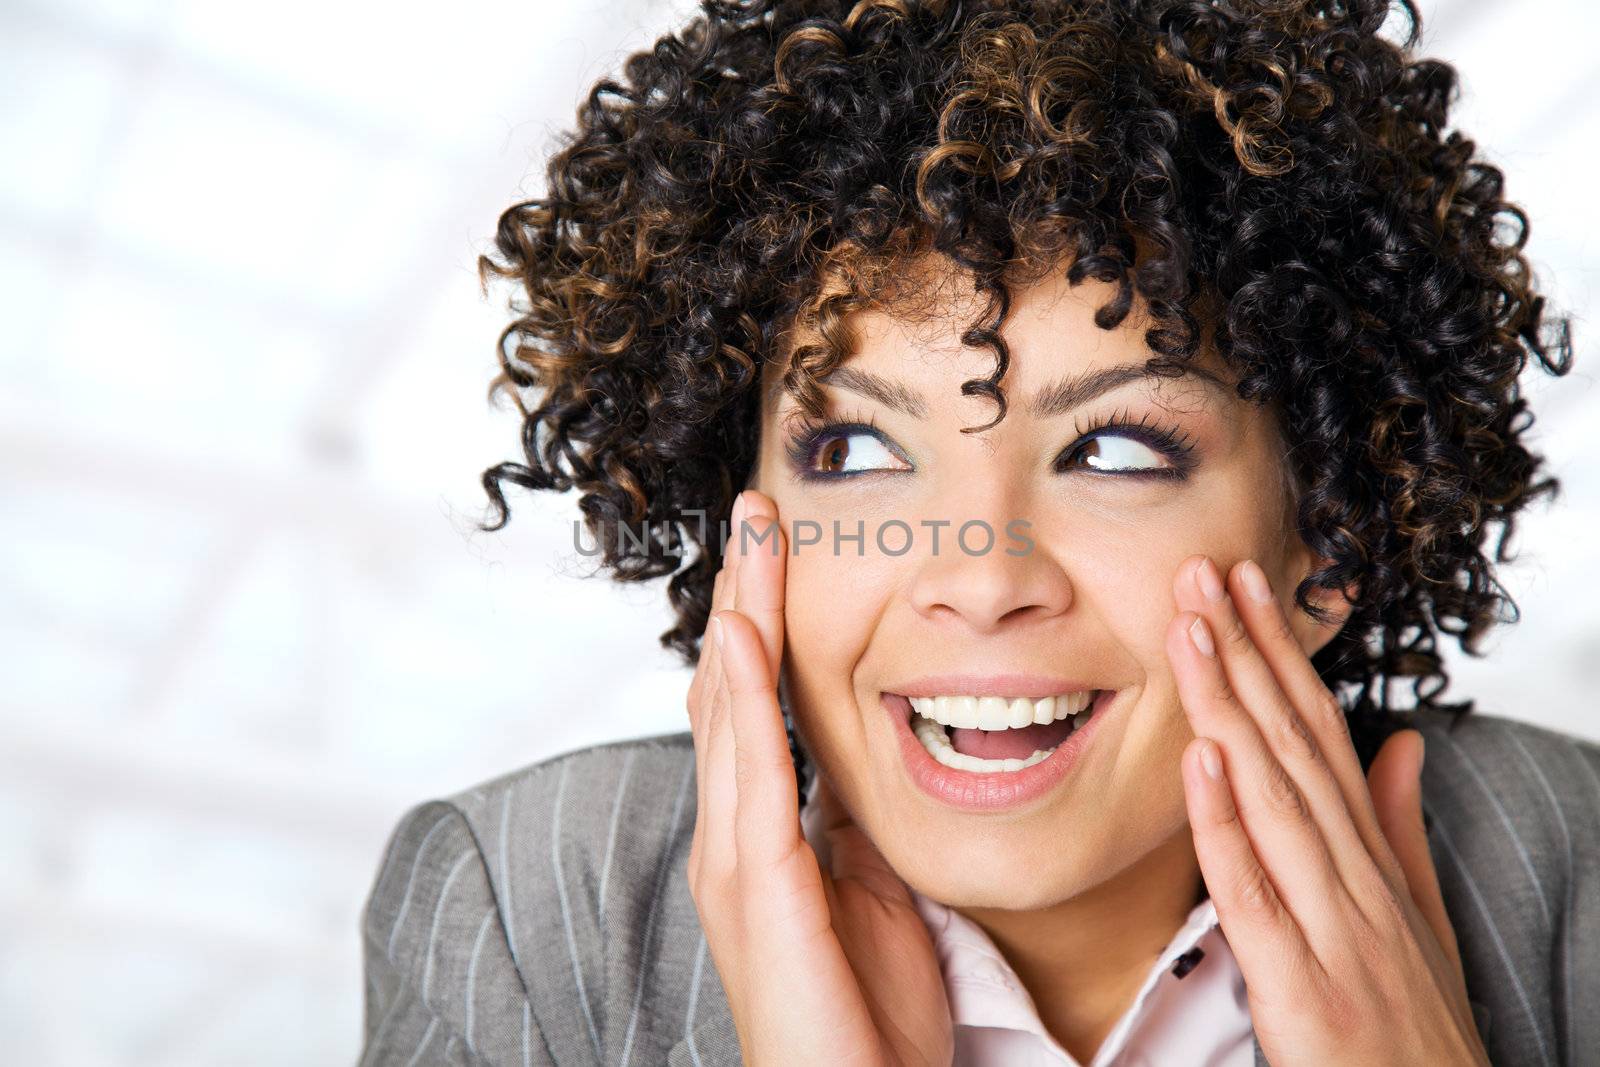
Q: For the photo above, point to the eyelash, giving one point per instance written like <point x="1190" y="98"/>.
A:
<point x="808" y="438"/>
<point x="1174" y="445"/>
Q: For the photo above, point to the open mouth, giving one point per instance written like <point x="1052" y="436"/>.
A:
<point x="998" y="734"/>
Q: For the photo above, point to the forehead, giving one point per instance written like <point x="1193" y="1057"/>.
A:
<point x="915" y="339"/>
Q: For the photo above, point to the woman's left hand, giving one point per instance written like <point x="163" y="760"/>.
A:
<point x="1322" y="878"/>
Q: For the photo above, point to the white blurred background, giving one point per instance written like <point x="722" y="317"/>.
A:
<point x="245" y="620"/>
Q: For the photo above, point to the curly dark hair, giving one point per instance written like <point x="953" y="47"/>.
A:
<point x="1273" y="178"/>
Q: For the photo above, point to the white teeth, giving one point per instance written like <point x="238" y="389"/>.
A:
<point x="935" y="715"/>
<point x="993" y="714"/>
<point x="1001" y="713"/>
<point x="934" y="739"/>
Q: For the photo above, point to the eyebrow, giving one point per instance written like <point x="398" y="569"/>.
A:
<point x="1075" y="390"/>
<point x="890" y="394"/>
<point x="1056" y="398"/>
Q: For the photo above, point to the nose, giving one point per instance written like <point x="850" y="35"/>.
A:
<point x="1016" y="579"/>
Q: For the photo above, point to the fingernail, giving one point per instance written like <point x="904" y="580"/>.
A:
<point x="1200" y="634"/>
<point x="1255" y="582"/>
<point x="1422" y="750"/>
<point x="1209" y="580"/>
<point x="716" y="630"/>
<point x="738" y="513"/>
<point x="1210" y="760"/>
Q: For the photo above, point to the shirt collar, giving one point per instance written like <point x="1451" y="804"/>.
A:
<point x="984" y="990"/>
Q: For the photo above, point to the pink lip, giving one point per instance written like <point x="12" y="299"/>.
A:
<point x="1000" y="790"/>
<point x="1032" y="686"/>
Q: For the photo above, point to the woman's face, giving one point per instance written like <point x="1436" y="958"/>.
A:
<point x="1110" y="513"/>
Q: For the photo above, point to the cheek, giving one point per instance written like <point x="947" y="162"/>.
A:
<point x="1124" y="561"/>
<point x="833" y="607"/>
<point x="1121" y="575"/>
<point x="833" y="601"/>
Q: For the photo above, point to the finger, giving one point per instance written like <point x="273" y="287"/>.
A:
<point x="721" y="788"/>
<point x="830" y="811"/>
<point x="1273" y="811"/>
<point x="713" y="839"/>
<point x="697" y="684"/>
<point x="761" y="573"/>
<point x="734" y="551"/>
<point x="1261" y="932"/>
<point x="767" y="819"/>
<point x="1395" y="784"/>
<point x="720" y="593"/>
<point x="852" y="854"/>
<point x="1286" y="732"/>
<point x="855" y="858"/>
<point x="1263" y="615"/>
<point x="700" y="685"/>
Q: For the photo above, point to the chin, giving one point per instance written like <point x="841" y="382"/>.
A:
<point x="1020" y="865"/>
<point x="1019" y="884"/>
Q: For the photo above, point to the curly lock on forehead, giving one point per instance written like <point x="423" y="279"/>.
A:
<point x="1270" y="178"/>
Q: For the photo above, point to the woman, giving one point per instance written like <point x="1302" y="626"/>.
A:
<point x="1110" y="403"/>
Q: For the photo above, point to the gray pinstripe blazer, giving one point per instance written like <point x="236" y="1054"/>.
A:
<point x="544" y="917"/>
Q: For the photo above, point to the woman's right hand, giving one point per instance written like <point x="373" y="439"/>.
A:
<point x="819" y="966"/>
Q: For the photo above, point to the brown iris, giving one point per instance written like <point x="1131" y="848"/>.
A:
<point x="834" y="453"/>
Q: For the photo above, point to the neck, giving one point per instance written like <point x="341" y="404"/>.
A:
<point x="1084" y="959"/>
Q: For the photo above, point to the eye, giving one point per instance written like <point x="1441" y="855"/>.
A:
<point x="848" y="453"/>
<point x="1131" y="449"/>
<point x="842" y="450"/>
<point x="1113" y="452"/>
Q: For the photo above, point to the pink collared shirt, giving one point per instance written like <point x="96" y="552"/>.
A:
<point x="1199" y="1020"/>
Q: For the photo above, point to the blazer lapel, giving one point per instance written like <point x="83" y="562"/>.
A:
<point x="1482" y="1016"/>
<point x="712" y="1042"/>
